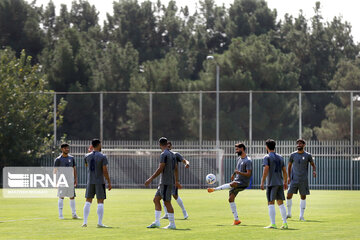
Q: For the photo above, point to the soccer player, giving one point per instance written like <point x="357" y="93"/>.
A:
<point x="167" y="170"/>
<point x="96" y="164"/>
<point x="240" y="179"/>
<point x="298" y="176"/>
<point x="179" y="158"/>
<point x="66" y="160"/>
<point x="276" y="177"/>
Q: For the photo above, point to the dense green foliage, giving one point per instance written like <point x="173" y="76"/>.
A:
<point x="26" y="118"/>
<point x="155" y="47"/>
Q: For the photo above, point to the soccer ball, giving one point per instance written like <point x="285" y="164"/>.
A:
<point x="210" y="178"/>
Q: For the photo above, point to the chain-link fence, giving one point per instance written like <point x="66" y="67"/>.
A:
<point x="250" y="115"/>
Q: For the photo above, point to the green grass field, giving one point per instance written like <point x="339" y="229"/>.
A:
<point x="329" y="214"/>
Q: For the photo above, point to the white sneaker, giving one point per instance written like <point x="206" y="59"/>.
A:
<point x="170" y="226"/>
<point x="186" y="216"/>
<point x="165" y="217"/>
<point x="302" y="219"/>
<point x="61" y="217"/>
<point x="102" y="226"/>
<point x="74" y="216"/>
<point x="84" y="225"/>
<point x="154" y="225"/>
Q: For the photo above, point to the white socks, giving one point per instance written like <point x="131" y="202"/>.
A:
<point x="283" y="212"/>
<point x="181" y="204"/>
<point x="222" y="187"/>
<point x="234" y="211"/>
<point x="302" y="207"/>
<point x="100" y="212"/>
<point x="272" y="213"/>
<point x="72" y="205"/>
<point x="171" y="219"/>
<point x="157" y="217"/>
<point x="86" y="211"/>
<point x="61" y="205"/>
<point x="289" y="204"/>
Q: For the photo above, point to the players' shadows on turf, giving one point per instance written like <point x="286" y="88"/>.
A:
<point x="314" y="221"/>
<point x="182" y="229"/>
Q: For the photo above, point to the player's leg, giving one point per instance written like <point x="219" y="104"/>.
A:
<point x="165" y="212"/>
<point x="166" y="195"/>
<point x="180" y="202"/>
<point x="89" y="195"/>
<point x="100" y="212"/>
<point x="60" y="207"/>
<point x="304" y="190"/>
<point x="232" y="196"/>
<point x="270" y="194"/>
<point x="174" y="192"/>
<point x="156" y="200"/>
<point x="101" y="196"/>
<point x="73" y="206"/>
<point x="289" y="203"/>
<point x="222" y="187"/>
<point x="293" y="189"/>
<point x="280" y="196"/>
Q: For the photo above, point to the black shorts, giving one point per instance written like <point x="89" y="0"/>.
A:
<point x="275" y="193"/>
<point x="303" y="188"/>
<point x="237" y="189"/>
<point x="98" y="189"/>
<point x="164" y="191"/>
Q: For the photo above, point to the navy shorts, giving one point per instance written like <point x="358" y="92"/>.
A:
<point x="237" y="189"/>
<point x="164" y="191"/>
<point x="303" y="188"/>
<point x="98" y="189"/>
<point x="275" y="193"/>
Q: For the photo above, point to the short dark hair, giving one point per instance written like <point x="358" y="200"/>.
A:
<point x="163" y="141"/>
<point x="95" y="142"/>
<point x="300" y="140"/>
<point x="241" y="145"/>
<point x="64" y="145"/>
<point x="270" y="143"/>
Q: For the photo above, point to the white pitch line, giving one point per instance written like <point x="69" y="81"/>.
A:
<point x="27" y="219"/>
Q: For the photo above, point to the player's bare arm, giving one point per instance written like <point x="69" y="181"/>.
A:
<point x="156" y="173"/>
<point x="289" y="172"/>
<point x="75" y="177"/>
<point x="245" y="174"/>
<point x="265" y="173"/>
<point x="106" y="175"/>
<point x="285" y="177"/>
<point x="233" y="176"/>
<point x="186" y="163"/>
<point x="314" y="169"/>
<point x="176" y="173"/>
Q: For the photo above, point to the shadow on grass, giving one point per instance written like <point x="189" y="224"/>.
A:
<point x="316" y="221"/>
<point x="312" y="221"/>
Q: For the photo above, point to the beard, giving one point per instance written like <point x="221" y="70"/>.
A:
<point x="239" y="153"/>
<point x="300" y="148"/>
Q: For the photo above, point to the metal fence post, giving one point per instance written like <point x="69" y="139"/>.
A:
<point x="200" y="119"/>
<point x="250" y="119"/>
<point x="150" y="119"/>
<point x="300" y="115"/>
<point x="55" y="127"/>
<point x="351" y="140"/>
<point x="101" y="116"/>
